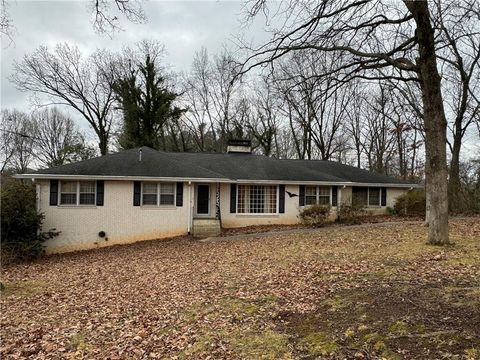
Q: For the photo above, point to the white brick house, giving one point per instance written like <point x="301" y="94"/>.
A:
<point x="143" y="194"/>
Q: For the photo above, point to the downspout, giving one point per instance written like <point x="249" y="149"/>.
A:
<point x="190" y="208"/>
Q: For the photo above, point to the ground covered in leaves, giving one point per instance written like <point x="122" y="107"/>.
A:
<point x="362" y="292"/>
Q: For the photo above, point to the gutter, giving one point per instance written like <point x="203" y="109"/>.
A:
<point x="214" y="180"/>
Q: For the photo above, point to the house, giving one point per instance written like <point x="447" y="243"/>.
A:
<point x="143" y="193"/>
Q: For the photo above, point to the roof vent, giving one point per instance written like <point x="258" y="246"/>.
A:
<point x="140" y="155"/>
<point x="239" y="146"/>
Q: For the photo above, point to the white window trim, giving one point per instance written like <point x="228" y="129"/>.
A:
<point x="259" y="214"/>
<point x="380" y="190"/>
<point x="59" y="200"/>
<point x="317" y="195"/>
<point x="158" y="205"/>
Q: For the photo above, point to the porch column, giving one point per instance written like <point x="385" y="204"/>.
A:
<point x="217" y="202"/>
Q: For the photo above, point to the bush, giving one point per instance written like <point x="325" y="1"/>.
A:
<point x="412" y="203"/>
<point x="21" y="224"/>
<point x="350" y="214"/>
<point x="316" y="215"/>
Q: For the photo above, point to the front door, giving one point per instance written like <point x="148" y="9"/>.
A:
<point x="203" y="199"/>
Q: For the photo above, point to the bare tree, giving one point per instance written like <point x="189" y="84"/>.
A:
<point x="106" y="15"/>
<point x="210" y="90"/>
<point x="63" y="77"/>
<point x="376" y="40"/>
<point x="57" y="139"/>
<point x="16" y="141"/>
<point x="459" y="56"/>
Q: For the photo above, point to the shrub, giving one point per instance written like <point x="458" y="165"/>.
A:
<point x="412" y="203"/>
<point x="316" y="215"/>
<point x="350" y="214"/>
<point x="21" y="236"/>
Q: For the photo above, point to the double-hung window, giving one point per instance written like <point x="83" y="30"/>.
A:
<point x="317" y="195"/>
<point x="257" y="199"/>
<point x="77" y="192"/>
<point x="158" y="193"/>
<point x="366" y="196"/>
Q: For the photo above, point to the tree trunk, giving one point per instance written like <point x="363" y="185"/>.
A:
<point x="435" y="127"/>
<point x="103" y="143"/>
<point x="455" y="199"/>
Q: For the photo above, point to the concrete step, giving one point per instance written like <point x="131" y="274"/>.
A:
<point x="206" y="227"/>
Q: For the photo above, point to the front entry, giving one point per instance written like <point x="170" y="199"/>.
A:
<point x="203" y="199"/>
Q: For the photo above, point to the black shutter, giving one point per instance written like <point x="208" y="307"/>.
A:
<point x="384" y="196"/>
<point x="179" y="193"/>
<point x="281" y="199"/>
<point x="100" y="191"/>
<point x="301" y="197"/>
<point x="137" y="186"/>
<point x="334" y="195"/>
<point x="53" y="192"/>
<point x="233" y="198"/>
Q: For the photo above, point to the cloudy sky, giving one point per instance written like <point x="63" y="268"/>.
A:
<point x="183" y="27"/>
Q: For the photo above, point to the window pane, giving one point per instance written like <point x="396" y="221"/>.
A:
<point x="87" y="199"/>
<point x="374" y="196"/>
<point x="359" y="196"/>
<point x="149" y="193"/>
<point x="68" y="199"/>
<point x="257" y="199"/>
<point x="87" y="193"/>
<point x="324" y="190"/>
<point x="310" y="190"/>
<point x="149" y="199"/>
<point x="271" y="200"/>
<point x="69" y="186"/>
<point x="310" y="200"/>
<point x="149" y="188"/>
<point x="68" y="195"/>
<point x="242" y="201"/>
<point x="167" y="188"/>
<point x="87" y="187"/>
<point x="324" y="200"/>
<point x="166" y="199"/>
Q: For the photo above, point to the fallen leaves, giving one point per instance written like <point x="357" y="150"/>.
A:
<point x="184" y="298"/>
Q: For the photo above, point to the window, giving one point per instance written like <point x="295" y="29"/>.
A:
<point x="149" y="194"/>
<point x="167" y="194"/>
<point x="68" y="193"/>
<point x="257" y="199"/>
<point x="374" y="196"/>
<point x="366" y="196"/>
<point x="324" y="195"/>
<point x="158" y="193"/>
<point x="317" y="195"/>
<point x="310" y="195"/>
<point x="77" y="192"/>
<point x="87" y="192"/>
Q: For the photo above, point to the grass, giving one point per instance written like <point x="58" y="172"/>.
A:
<point x="340" y="292"/>
<point x="23" y="289"/>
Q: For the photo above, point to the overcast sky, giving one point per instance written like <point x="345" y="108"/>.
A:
<point x="182" y="26"/>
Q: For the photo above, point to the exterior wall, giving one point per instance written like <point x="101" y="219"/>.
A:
<point x="240" y="220"/>
<point x="292" y="208"/>
<point x="122" y="222"/>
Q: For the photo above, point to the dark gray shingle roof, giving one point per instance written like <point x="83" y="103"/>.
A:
<point x="235" y="166"/>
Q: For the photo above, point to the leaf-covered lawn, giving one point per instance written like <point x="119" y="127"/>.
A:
<point x="368" y="292"/>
